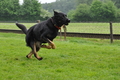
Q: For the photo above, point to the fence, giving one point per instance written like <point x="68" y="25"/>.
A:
<point x="88" y="30"/>
<point x="96" y="30"/>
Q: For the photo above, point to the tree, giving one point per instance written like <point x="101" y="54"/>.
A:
<point x="82" y="13"/>
<point x="109" y="11"/>
<point x="88" y="2"/>
<point x="117" y="3"/>
<point x="8" y="9"/>
<point x="118" y="13"/>
<point x="14" y="8"/>
<point x="70" y="15"/>
<point x="96" y="10"/>
<point x="103" y="11"/>
<point x="44" y="14"/>
<point x="31" y="10"/>
<point x="4" y="9"/>
<point x="60" y="5"/>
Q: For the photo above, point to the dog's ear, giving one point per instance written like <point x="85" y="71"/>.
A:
<point x="55" y="12"/>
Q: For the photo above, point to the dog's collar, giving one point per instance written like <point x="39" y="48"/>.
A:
<point x="55" y="24"/>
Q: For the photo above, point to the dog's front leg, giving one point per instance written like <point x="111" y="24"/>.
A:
<point x="51" y="44"/>
<point x="45" y="46"/>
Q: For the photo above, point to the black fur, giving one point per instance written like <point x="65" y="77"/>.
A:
<point x="45" y="31"/>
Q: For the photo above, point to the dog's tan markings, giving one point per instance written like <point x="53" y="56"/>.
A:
<point x="52" y="44"/>
<point x="45" y="46"/>
<point x="35" y="53"/>
<point x="30" y="55"/>
<point x="49" y="46"/>
<point x="37" y="44"/>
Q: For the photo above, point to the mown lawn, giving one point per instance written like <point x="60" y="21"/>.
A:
<point x="75" y="27"/>
<point x="74" y="59"/>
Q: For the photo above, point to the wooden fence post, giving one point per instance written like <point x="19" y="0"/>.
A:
<point x="65" y="29"/>
<point x="111" y="33"/>
<point x="60" y="34"/>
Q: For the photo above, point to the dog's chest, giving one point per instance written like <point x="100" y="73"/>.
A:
<point x="51" y="36"/>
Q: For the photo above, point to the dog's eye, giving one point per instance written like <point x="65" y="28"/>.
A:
<point x="64" y="15"/>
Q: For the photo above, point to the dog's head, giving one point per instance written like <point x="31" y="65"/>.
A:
<point x="61" y="18"/>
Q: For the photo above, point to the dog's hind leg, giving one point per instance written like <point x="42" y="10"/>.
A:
<point x="30" y="54"/>
<point x="35" y="52"/>
<point x="35" y="48"/>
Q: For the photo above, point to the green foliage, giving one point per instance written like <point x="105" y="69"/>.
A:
<point x="74" y="59"/>
<point x="103" y="11"/>
<point x="8" y="9"/>
<point x="109" y="11"/>
<point x="31" y="10"/>
<point x="118" y="13"/>
<point x="45" y="14"/>
<point x="12" y="10"/>
<point x="78" y="10"/>
<point x="82" y="13"/>
<point x="117" y="3"/>
<point x="98" y="11"/>
<point x="60" y="5"/>
<point x="71" y="13"/>
<point x="88" y="2"/>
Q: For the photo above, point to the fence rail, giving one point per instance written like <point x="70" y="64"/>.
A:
<point x="72" y="34"/>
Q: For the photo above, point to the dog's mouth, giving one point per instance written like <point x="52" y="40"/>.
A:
<point x="67" y="22"/>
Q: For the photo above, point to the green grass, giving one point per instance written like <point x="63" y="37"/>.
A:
<point x="13" y="26"/>
<point x="93" y="28"/>
<point x="74" y="59"/>
<point x="75" y="27"/>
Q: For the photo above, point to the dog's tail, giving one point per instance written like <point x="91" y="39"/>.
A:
<point x="22" y="27"/>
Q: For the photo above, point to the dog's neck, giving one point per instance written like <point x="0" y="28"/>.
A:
<point x="55" y="24"/>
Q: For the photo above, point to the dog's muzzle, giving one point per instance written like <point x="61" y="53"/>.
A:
<point x="67" y="21"/>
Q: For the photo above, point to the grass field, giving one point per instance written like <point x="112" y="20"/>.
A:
<point x="74" y="59"/>
<point x="76" y="27"/>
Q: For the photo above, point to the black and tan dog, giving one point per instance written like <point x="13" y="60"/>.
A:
<point x="43" y="32"/>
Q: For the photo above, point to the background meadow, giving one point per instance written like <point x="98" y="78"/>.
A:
<point x="102" y="28"/>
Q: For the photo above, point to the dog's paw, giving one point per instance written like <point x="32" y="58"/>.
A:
<point x="40" y="58"/>
<point x="53" y="47"/>
<point x="28" y="56"/>
<point x="48" y="47"/>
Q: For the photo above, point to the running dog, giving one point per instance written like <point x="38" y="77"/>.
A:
<point x="43" y="32"/>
